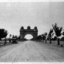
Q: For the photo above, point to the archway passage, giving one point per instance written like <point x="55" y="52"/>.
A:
<point x="33" y="32"/>
<point x="28" y="37"/>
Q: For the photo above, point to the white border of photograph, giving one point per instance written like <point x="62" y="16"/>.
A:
<point x="31" y="0"/>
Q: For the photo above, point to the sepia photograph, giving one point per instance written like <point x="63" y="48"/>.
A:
<point x="32" y="31"/>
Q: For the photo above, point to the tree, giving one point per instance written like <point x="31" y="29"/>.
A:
<point x="62" y="39"/>
<point x="10" y="36"/>
<point x="45" y="37"/>
<point x="57" y="32"/>
<point x="3" y="33"/>
<point x="55" y="38"/>
<point x="63" y="33"/>
<point x="50" y="35"/>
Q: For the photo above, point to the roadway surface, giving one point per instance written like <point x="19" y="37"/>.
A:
<point x="30" y="51"/>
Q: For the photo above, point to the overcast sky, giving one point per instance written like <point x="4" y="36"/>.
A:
<point x="13" y="15"/>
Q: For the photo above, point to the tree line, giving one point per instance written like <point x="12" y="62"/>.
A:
<point x="3" y="35"/>
<point x="45" y="37"/>
<point x="48" y="36"/>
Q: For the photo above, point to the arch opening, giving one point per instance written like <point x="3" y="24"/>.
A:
<point x="28" y="36"/>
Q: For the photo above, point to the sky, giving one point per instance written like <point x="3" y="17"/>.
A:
<point x="13" y="15"/>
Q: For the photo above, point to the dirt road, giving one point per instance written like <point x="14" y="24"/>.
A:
<point x="31" y="51"/>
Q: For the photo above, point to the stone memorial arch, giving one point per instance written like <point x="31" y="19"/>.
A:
<point x="33" y="32"/>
